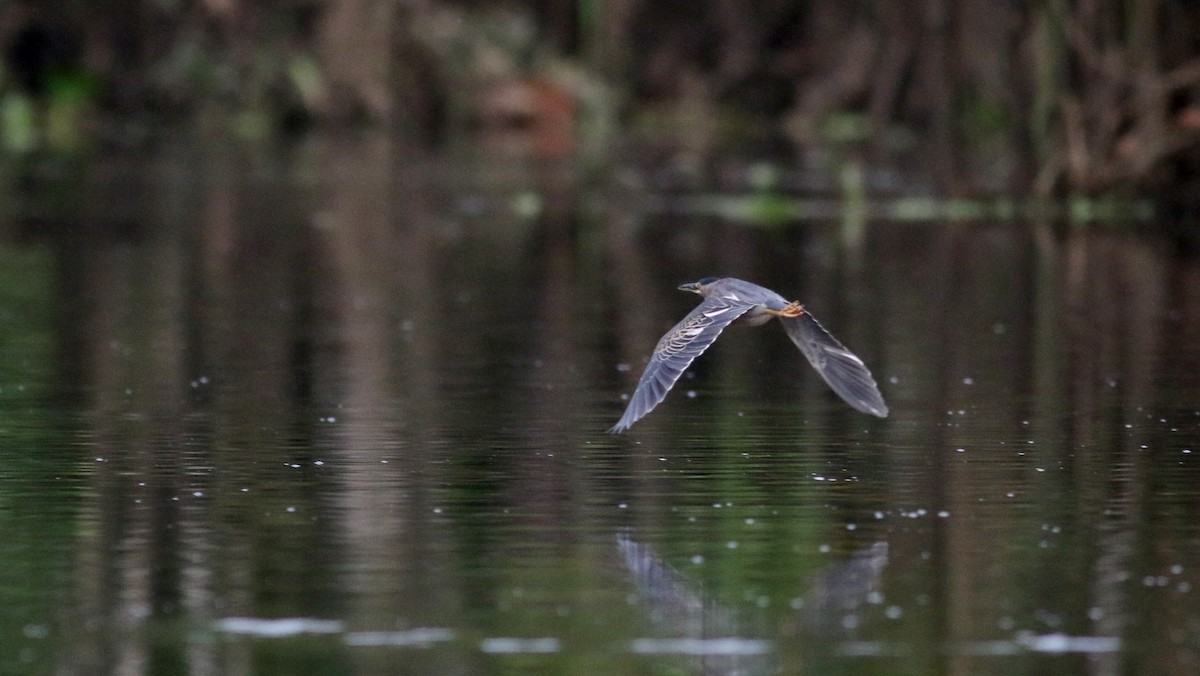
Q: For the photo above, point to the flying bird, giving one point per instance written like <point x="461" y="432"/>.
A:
<point x="725" y="300"/>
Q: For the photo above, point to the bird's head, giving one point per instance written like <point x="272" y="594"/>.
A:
<point x="700" y="286"/>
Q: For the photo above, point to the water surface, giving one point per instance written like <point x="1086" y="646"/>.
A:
<point x="344" y="411"/>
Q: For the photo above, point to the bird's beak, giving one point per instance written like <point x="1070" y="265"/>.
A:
<point x="694" y="287"/>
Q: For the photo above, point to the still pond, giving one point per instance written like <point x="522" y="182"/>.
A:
<point x="345" y="412"/>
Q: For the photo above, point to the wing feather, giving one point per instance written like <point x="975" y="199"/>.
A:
<point x="675" y="352"/>
<point x="845" y="373"/>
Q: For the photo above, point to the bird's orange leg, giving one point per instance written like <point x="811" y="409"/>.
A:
<point x="792" y="309"/>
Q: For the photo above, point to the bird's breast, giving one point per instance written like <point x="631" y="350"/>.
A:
<point x="756" y="316"/>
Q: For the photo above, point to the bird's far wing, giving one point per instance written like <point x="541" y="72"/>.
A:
<point x="676" y="350"/>
<point x="841" y="368"/>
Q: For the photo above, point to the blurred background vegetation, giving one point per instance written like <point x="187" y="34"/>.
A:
<point x="1046" y="99"/>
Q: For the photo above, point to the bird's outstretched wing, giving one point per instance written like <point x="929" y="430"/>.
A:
<point x="676" y="350"/>
<point x="841" y="368"/>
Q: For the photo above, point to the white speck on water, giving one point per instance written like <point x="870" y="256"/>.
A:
<point x="318" y="463"/>
<point x="1184" y="587"/>
<point x="851" y="526"/>
<point x="197" y="494"/>
<point x="732" y="544"/>
<point x="277" y="627"/>
<point x="623" y="367"/>
<point x="750" y="521"/>
<point x="691" y="394"/>
<point x="999" y="328"/>
<point x="731" y="646"/>
<point x="697" y="559"/>
<point x="383" y="462"/>
<point x="893" y="380"/>
<point x="796" y="603"/>
<point x="1176" y="569"/>
<point x="824" y="549"/>
<point x="960" y="450"/>
<point x="245" y="490"/>
<point x="418" y="636"/>
<point x="99" y="459"/>
<point x="624" y="397"/>
<point x="437" y="510"/>
<point x="968" y="381"/>
<point x="291" y="509"/>
<point x="511" y="646"/>
<point x="622" y="505"/>
<point x="893" y="612"/>
<point x="943" y="514"/>
<point x="1095" y="613"/>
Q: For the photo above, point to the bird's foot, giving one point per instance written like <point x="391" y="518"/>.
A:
<point x="792" y="309"/>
